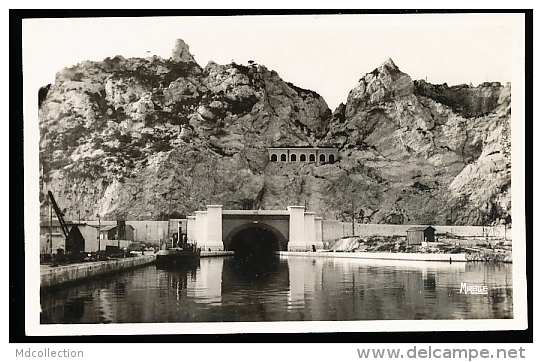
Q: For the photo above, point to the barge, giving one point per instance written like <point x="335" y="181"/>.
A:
<point x="187" y="254"/>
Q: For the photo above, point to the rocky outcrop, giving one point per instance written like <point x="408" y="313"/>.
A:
<point x="466" y="100"/>
<point x="411" y="158"/>
<point x="181" y="52"/>
<point x="130" y="137"/>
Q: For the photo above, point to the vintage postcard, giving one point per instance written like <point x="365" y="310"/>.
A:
<point x="326" y="173"/>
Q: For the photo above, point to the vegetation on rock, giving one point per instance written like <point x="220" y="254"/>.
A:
<point x="132" y="136"/>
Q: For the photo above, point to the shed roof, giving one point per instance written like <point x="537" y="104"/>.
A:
<point x="111" y="227"/>
<point x="56" y="223"/>
<point x="420" y="228"/>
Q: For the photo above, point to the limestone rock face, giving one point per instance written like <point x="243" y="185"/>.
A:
<point x="129" y="137"/>
<point x="181" y="52"/>
<point x="384" y="83"/>
<point x="414" y="157"/>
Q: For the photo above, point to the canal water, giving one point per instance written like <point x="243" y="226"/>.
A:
<point x="286" y="288"/>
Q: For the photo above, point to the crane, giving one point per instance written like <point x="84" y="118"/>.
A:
<point x="59" y="215"/>
<point x="75" y="242"/>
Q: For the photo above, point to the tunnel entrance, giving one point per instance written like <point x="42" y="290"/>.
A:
<point x="256" y="243"/>
<point x="255" y="248"/>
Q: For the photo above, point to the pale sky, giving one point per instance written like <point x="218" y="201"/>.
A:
<point x="327" y="54"/>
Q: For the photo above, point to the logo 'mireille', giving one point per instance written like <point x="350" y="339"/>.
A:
<point x="473" y="289"/>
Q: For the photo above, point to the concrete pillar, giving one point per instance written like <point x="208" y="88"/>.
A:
<point x="319" y="230"/>
<point x="297" y="229"/>
<point x="191" y="228"/>
<point x="201" y="227"/>
<point x="310" y="230"/>
<point x="214" y="229"/>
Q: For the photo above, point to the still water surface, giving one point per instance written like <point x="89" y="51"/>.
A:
<point x="286" y="289"/>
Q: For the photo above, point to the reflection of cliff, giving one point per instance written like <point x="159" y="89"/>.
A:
<point x="379" y="290"/>
<point x="287" y="289"/>
<point x="498" y="278"/>
<point x="254" y="293"/>
<point x="72" y="307"/>
<point x="74" y="311"/>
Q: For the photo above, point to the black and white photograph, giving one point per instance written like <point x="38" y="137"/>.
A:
<point x="274" y="173"/>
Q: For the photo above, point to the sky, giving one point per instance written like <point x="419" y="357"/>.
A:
<point x="327" y="54"/>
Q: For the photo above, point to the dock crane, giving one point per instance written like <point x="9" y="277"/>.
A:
<point x="59" y="214"/>
<point x="75" y="242"/>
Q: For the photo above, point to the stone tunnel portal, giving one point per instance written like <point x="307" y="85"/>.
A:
<point x="255" y="241"/>
<point x="293" y="229"/>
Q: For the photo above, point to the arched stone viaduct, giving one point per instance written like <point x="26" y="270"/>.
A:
<point x="293" y="229"/>
<point x="317" y="155"/>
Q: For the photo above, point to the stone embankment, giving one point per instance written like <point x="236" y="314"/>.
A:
<point x="490" y="256"/>
<point x="383" y="256"/>
<point x="54" y="276"/>
<point x="473" y="249"/>
<point x="205" y="254"/>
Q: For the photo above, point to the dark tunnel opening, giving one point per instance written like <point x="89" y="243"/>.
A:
<point x="255" y="243"/>
<point x="256" y="251"/>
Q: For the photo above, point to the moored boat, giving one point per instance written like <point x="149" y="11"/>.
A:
<point x="188" y="254"/>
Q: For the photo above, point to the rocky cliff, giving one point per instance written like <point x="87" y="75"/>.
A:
<point x="138" y="138"/>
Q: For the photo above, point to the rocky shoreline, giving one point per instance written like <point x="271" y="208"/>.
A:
<point x="494" y="250"/>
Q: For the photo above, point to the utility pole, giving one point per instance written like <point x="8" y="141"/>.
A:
<point x="51" y="226"/>
<point x="118" y="236"/>
<point x="353" y="218"/>
<point x="99" y="231"/>
<point x="168" y="221"/>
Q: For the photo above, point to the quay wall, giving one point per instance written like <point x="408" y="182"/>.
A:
<point x="204" y="254"/>
<point x="382" y="256"/>
<point x="333" y="230"/>
<point x="69" y="273"/>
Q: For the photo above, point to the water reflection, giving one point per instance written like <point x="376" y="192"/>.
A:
<point x="286" y="289"/>
<point x="74" y="310"/>
<point x="254" y="291"/>
<point x="206" y="286"/>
